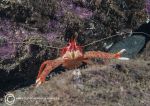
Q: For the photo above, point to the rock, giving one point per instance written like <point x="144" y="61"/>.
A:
<point x="100" y="86"/>
<point x="22" y="69"/>
<point x="132" y="44"/>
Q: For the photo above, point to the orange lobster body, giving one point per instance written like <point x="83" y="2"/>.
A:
<point x="72" y="56"/>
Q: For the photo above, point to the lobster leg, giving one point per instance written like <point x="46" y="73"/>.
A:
<point x="99" y="54"/>
<point x="46" y="68"/>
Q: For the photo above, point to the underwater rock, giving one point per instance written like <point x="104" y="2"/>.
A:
<point x="22" y="69"/>
<point x="21" y="53"/>
<point x="132" y="44"/>
<point x="98" y="86"/>
<point x="147" y="3"/>
<point x="11" y="36"/>
<point x="14" y="9"/>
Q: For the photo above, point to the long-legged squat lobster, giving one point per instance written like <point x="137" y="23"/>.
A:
<point x="71" y="57"/>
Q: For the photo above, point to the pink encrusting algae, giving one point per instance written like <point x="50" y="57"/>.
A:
<point x="7" y="51"/>
<point x="83" y="13"/>
<point x="11" y="36"/>
<point x="12" y="32"/>
<point x="147" y="6"/>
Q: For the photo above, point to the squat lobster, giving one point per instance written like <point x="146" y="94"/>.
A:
<point x="72" y="56"/>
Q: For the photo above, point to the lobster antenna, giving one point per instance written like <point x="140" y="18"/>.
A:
<point x="76" y="35"/>
<point x="30" y="43"/>
<point x="99" y="40"/>
<point x="115" y="36"/>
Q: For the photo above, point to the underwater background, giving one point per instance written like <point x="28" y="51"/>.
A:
<point x="32" y="31"/>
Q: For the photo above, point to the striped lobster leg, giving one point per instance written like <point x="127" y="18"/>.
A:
<point x="104" y="55"/>
<point x="47" y="67"/>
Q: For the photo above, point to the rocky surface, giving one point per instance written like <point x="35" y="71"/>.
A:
<point x="132" y="44"/>
<point x="115" y="84"/>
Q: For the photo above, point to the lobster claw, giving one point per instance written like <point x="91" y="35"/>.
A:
<point x="122" y="58"/>
<point x="40" y="80"/>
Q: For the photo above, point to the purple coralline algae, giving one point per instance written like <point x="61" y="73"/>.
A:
<point x="147" y="6"/>
<point x="81" y="12"/>
<point x="11" y="36"/>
